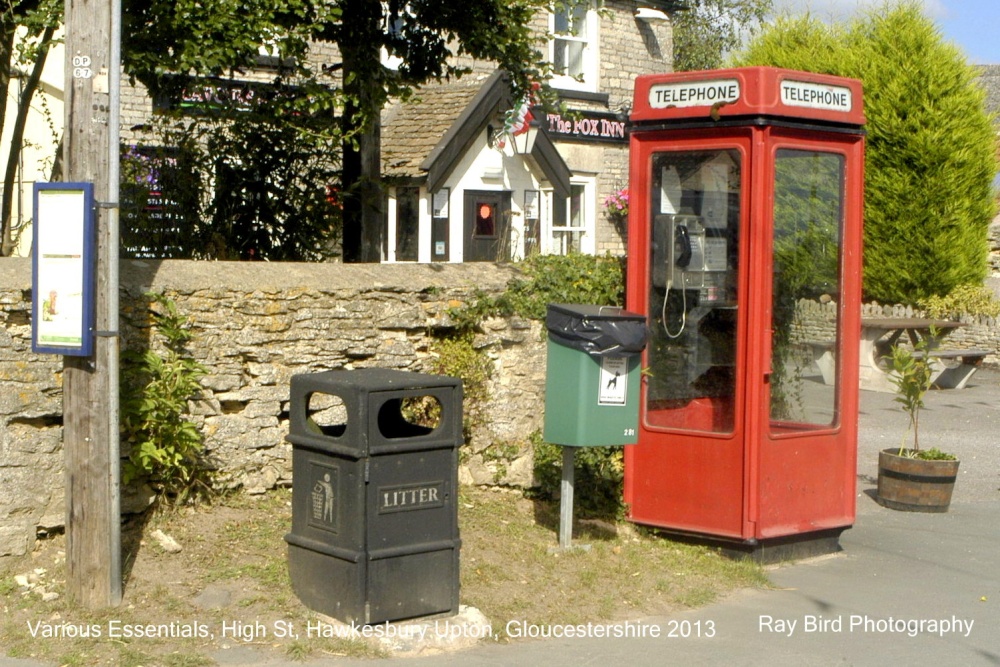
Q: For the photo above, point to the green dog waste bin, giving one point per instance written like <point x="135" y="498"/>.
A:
<point x="592" y="375"/>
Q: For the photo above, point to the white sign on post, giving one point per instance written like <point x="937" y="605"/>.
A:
<point x="62" y="304"/>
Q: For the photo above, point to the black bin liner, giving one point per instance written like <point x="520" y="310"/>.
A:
<point x="597" y="330"/>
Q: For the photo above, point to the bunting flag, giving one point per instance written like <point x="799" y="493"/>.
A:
<point x="516" y="120"/>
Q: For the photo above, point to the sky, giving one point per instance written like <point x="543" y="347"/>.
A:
<point x="970" y="24"/>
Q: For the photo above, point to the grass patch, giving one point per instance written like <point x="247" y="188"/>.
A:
<point x="236" y="549"/>
<point x="510" y="573"/>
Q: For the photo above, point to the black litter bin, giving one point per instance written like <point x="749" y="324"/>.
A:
<point x="374" y="509"/>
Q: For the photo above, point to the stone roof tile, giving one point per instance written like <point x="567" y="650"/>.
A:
<point x="411" y="130"/>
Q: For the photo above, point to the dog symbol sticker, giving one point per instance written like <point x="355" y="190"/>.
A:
<point x="614" y="381"/>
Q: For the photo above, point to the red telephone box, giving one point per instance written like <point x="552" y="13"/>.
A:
<point x="745" y="257"/>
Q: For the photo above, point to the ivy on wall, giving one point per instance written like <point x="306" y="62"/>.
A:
<point x="543" y="279"/>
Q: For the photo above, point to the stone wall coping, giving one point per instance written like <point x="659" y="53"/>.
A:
<point x="192" y="275"/>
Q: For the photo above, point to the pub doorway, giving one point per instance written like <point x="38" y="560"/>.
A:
<point x="487" y="226"/>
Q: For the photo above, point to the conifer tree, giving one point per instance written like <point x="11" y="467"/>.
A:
<point x="930" y="160"/>
<point x="930" y="154"/>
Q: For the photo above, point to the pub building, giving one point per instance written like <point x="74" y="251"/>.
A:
<point x="464" y="183"/>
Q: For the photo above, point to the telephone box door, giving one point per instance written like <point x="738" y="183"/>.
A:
<point x="694" y="268"/>
<point x="805" y="468"/>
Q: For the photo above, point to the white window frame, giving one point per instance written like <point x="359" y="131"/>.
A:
<point x="559" y="235"/>
<point x="423" y="228"/>
<point x="588" y="37"/>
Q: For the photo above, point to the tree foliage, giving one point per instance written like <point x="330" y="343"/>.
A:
<point x="163" y="38"/>
<point x="327" y="108"/>
<point x="263" y="160"/>
<point x="340" y="99"/>
<point x="710" y="29"/>
<point x="257" y="183"/>
<point x="931" y="161"/>
<point x="930" y="153"/>
<point x="800" y="42"/>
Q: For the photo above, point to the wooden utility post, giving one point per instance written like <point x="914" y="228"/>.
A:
<point x="90" y="384"/>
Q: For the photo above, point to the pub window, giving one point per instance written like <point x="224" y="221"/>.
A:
<point x="573" y="220"/>
<point x="439" y="225"/>
<point x="532" y="223"/>
<point x="407" y="223"/>
<point x="485" y="221"/>
<point x="574" y="46"/>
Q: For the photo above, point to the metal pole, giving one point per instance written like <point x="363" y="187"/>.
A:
<point x="114" y="337"/>
<point x="566" y="499"/>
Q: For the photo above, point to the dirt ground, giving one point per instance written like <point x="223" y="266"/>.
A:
<point x="224" y="583"/>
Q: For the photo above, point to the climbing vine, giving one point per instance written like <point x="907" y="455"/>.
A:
<point x="544" y="279"/>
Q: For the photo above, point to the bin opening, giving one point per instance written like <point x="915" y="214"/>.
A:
<point x="326" y="415"/>
<point x="409" y="417"/>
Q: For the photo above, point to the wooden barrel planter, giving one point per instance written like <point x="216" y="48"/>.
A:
<point x="914" y="485"/>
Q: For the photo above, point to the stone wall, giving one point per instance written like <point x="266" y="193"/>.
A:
<point x="31" y="479"/>
<point x="815" y="322"/>
<point x="255" y="325"/>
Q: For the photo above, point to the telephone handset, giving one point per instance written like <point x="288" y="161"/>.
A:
<point x="682" y="247"/>
<point x="678" y="249"/>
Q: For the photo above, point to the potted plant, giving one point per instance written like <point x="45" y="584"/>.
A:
<point x="616" y="208"/>
<point x="913" y="479"/>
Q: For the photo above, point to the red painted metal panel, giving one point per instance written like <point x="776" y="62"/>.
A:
<point x="689" y="474"/>
<point x="808" y="478"/>
<point x="725" y="465"/>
